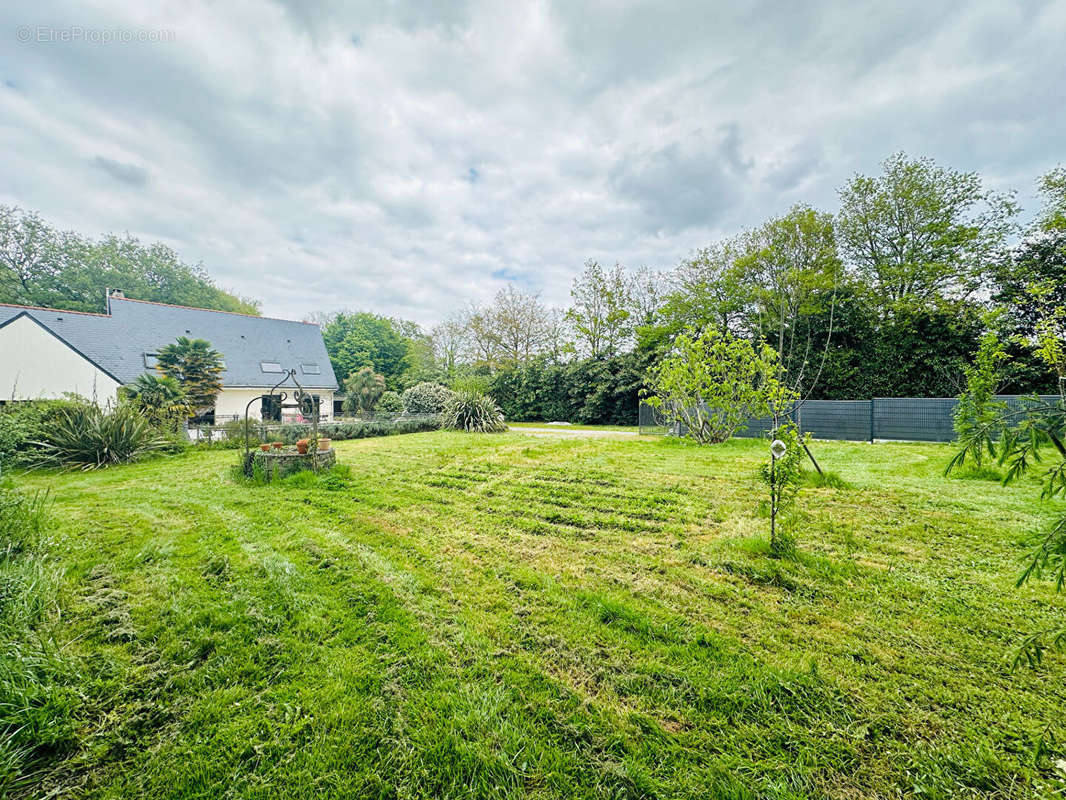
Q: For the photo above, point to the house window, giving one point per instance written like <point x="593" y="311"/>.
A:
<point x="151" y="359"/>
<point x="310" y="369"/>
<point x="270" y="366"/>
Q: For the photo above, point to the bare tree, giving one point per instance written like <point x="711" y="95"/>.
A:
<point x="450" y="341"/>
<point x="511" y="330"/>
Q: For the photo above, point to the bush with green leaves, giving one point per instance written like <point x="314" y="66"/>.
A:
<point x="426" y="398"/>
<point x="710" y="384"/>
<point x="24" y="423"/>
<point x="474" y="412"/>
<point x="390" y="403"/>
<point x="85" y="436"/>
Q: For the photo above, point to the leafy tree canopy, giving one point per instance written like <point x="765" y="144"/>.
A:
<point x="42" y="266"/>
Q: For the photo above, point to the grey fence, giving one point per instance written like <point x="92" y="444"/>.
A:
<point x="915" y="419"/>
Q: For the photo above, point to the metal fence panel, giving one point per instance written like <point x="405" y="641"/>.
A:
<point x="915" y="419"/>
<point x="922" y="419"/>
<point x="835" y="419"/>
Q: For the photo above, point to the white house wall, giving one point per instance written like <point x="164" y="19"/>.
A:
<point x="231" y="402"/>
<point x="34" y="364"/>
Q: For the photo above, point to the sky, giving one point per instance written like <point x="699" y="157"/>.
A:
<point x="409" y="158"/>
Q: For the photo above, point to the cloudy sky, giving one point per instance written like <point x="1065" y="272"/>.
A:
<point x="407" y="157"/>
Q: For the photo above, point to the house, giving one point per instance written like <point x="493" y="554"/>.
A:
<point x="46" y="352"/>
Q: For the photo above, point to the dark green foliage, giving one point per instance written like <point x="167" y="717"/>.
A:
<point x="84" y="436"/>
<point x="35" y="704"/>
<point x="592" y="391"/>
<point x="363" y="339"/>
<point x="41" y="266"/>
<point x="472" y="412"/>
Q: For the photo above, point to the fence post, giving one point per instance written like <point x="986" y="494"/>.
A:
<point x="872" y="399"/>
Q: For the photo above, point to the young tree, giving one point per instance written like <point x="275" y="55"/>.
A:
<point x="600" y="314"/>
<point x="978" y="408"/>
<point x="713" y="383"/>
<point x="197" y="367"/>
<point x="363" y="389"/>
<point x="920" y="233"/>
<point x="1021" y="439"/>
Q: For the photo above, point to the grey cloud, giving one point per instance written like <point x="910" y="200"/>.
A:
<point x="121" y="171"/>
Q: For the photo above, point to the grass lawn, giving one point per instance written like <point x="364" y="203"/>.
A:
<point x="508" y="616"/>
<point x="623" y="428"/>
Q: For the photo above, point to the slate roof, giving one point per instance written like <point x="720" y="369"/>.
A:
<point x="117" y="342"/>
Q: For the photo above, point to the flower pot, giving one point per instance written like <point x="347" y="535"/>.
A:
<point x="264" y="447"/>
<point x="301" y="446"/>
<point x="277" y="445"/>
<point x="323" y="445"/>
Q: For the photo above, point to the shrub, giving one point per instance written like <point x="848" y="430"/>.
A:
<point x="87" y="437"/>
<point x="711" y="384"/>
<point x="24" y="423"/>
<point x="390" y="403"/>
<point x="426" y="398"/>
<point x="472" y="411"/>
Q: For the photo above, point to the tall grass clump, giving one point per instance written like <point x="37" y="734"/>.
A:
<point x="472" y="411"/>
<point x="85" y="436"/>
<point x="35" y="703"/>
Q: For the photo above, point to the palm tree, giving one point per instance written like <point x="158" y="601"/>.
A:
<point x="161" y="400"/>
<point x="364" y="388"/>
<point x="197" y="367"/>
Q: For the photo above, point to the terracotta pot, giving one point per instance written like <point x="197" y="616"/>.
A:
<point x="277" y="445"/>
<point x="323" y="445"/>
<point x="264" y="447"/>
<point x="301" y="447"/>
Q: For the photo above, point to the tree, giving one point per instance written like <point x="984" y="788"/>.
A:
<point x="713" y="383"/>
<point x="196" y="367"/>
<point x="161" y="399"/>
<point x="363" y="389"/>
<point x="920" y="233"/>
<point x="450" y="340"/>
<point x="1052" y="187"/>
<point x="600" y="312"/>
<point x="1021" y="439"/>
<point x="511" y="330"/>
<point x="60" y="269"/>
<point x="789" y="269"/>
<point x="358" y="339"/>
<point x="977" y="404"/>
